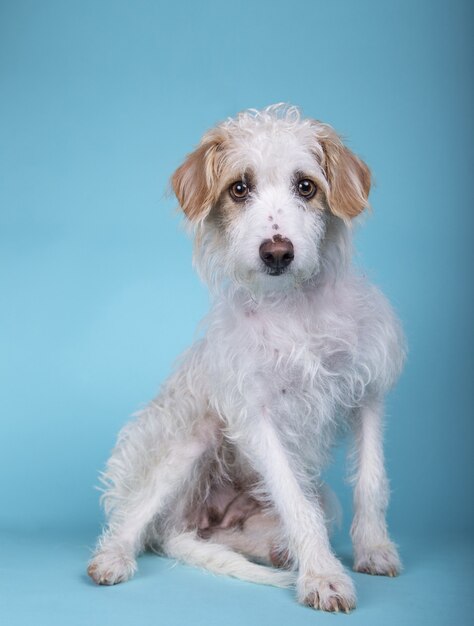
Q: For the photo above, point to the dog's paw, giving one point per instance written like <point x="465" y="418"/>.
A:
<point x="329" y="592"/>
<point x="382" y="560"/>
<point x="110" y="568"/>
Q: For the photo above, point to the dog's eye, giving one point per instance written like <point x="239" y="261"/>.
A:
<point x="306" y="188"/>
<point x="239" y="190"/>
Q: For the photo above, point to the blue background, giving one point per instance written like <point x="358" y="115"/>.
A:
<point x="99" y="102"/>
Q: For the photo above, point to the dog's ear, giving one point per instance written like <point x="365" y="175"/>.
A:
<point x="195" y="182"/>
<point x="348" y="176"/>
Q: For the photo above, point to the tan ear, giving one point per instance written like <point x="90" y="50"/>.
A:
<point x="348" y="177"/>
<point x="195" y="182"/>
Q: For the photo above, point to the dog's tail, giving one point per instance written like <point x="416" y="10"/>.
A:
<point x="217" y="558"/>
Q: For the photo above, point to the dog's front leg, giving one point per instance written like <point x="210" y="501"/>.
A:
<point x="322" y="582"/>
<point x="374" y="552"/>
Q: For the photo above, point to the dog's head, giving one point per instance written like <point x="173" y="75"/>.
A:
<point x="263" y="190"/>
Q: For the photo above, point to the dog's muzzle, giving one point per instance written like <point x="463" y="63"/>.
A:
<point x="277" y="254"/>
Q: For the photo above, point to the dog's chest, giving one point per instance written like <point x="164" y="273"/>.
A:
<point x="291" y="353"/>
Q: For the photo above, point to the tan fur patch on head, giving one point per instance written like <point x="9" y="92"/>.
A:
<point x="195" y="182"/>
<point x="347" y="175"/>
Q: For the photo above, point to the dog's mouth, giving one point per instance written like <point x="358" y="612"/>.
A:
<point x="276" y="272"/>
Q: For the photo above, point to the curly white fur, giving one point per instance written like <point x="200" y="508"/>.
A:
<point x="287" y="362"/>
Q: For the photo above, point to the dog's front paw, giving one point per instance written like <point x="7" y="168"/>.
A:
<point x="382" y="560"/>
<point x="110" y="568"/>
<point x="328" y="592"/>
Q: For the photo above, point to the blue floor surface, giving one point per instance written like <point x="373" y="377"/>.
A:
<point x="43" y="582"/>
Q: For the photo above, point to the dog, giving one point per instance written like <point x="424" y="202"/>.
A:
<point x="223" y="469"/>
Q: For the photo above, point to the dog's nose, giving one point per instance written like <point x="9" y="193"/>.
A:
<point x="277" y="253"/>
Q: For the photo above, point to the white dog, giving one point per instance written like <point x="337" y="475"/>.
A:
<point x="222" y="470"/>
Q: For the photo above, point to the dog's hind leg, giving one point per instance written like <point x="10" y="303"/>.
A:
<point x="156" y="454"/>
<point x="135" y="508"/>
